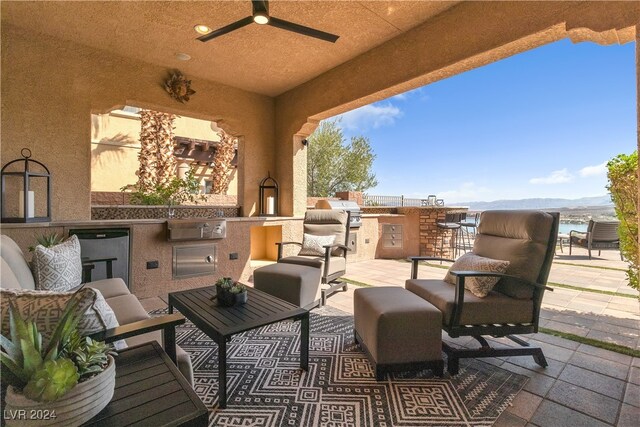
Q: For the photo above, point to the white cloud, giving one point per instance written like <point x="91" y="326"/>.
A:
<point x="556" y="177"/>
<point x="400" y="96"/>
<point x="370" y="116"/>
<point x="595" y="170"/>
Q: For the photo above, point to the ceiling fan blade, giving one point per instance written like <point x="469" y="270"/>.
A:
<point x="226" y="29"/>
<point x="301" y="29"/>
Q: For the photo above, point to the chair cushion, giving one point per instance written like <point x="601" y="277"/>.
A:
<point x="110" y="288"/>
<point x="336" y="263"/>
<point x="580" y="240"/>
<point x="520" y="237"/>
<point x="479" y="286"/>
<point x="494" y="308"/>
<point x="8" y="280"/>
<point x="14" y="258"/>
<point x="322" y="222"/>
<point x="127" y="309"/>
<point x="314" y="245"/>
<point x="58" y="268"/>
<point x="45" y="309"/>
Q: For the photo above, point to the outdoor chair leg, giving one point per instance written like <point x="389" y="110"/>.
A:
<point x="455" y="354"/>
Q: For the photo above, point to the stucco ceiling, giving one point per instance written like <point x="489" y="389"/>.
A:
<point x="256" y="58"/>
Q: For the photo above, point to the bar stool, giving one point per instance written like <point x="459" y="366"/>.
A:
<point x="468" y="225"/>
<point x="451" y="223"/>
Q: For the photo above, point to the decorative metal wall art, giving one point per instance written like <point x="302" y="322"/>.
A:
<point x="179" y="87"/>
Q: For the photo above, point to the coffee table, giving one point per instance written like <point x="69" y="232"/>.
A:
<point x="221" y="323"/>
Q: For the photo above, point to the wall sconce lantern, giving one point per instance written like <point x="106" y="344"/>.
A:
<point x="26" y="190"/>
<point x="269" y="196"/>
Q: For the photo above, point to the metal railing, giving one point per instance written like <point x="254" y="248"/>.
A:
<point x="395" y="201"/>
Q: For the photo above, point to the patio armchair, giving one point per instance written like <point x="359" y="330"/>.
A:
<point x="527" y="240"/>
<point x="599" y="235"/>
<point x="330" y="258"/>
<point x="135" y="326"/>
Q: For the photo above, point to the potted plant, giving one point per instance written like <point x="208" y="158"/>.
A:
<point x="230" y="292"/>
<point x="66" y="383"/>
<point x="47" y="240"/>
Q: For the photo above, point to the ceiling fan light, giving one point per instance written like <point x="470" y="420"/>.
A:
<point x="202" y="29"/>
<point x="261" y="18"/>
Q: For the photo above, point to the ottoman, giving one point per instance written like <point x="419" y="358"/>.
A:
<point x="297" y="284"/>
<point x="398" y="330"/>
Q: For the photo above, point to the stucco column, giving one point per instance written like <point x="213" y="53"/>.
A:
<point x="292" y="164"/>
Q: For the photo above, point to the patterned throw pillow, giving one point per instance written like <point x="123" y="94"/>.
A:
<point x="58" y="268"/>
<point x="478" y="286"/>
<point x="313" y="245"/>
<point x="45" y="309"/>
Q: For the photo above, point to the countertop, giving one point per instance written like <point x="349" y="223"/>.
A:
<point x="126" y="222"/>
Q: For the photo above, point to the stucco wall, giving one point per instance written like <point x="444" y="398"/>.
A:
<point x="50" y="88"/>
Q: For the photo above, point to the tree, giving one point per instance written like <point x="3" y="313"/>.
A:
<point x="335" y="165"/>
<point x="157" y="162"/>
<point x="623" y="185"/>
<point x="222" y="169"/>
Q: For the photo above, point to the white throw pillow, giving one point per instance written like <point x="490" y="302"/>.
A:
<point x="58" y="268"/>
<point x="313" y="245"/>
<point x="478" y="286"/>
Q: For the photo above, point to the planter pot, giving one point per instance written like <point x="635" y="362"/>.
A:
<point x="228" y="299"/>
<point x="241" y="298"/>
<point x="76" y="407"/>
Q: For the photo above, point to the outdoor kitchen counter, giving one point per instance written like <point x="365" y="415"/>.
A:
<point x="126" y="222"/>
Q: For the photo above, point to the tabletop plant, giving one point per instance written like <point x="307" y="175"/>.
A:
<point x="47" y="240"/>
<point x="229" y="292"/>
<point x="45" y="374"/>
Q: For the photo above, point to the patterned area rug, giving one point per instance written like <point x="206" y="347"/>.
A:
<point x="267" y="388"/>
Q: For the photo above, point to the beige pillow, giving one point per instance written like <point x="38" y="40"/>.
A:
<point x="58" y="268"/>
<point x="45" y="309"/>
<point x="478" y="286"/>
<point x="314" y="245"/>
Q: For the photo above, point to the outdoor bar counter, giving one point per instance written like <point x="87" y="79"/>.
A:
<point x="393" y="233"/>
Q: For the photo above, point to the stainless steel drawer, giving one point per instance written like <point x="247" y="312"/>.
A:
<point x="194" y="260"/>
<point x="391" y="228"/>
<point x="388" y="242"/>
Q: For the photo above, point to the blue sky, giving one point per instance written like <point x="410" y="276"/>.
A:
<point x="539" y="124"/>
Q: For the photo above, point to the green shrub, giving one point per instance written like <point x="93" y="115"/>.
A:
<point x="176" y="192"/>
<point x="623" y="186"/>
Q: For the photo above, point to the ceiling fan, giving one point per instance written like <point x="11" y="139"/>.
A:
<point x="261" y="16"/>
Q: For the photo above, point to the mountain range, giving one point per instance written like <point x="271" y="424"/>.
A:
<point x="539" y="203"/>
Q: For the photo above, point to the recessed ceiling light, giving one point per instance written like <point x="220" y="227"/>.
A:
<point x="202" y="29"/>
<point x="183" y="56"/>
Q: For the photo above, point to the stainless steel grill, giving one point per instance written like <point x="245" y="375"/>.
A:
<point x="196" y="229"/>
<point x="343" y="205"/>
